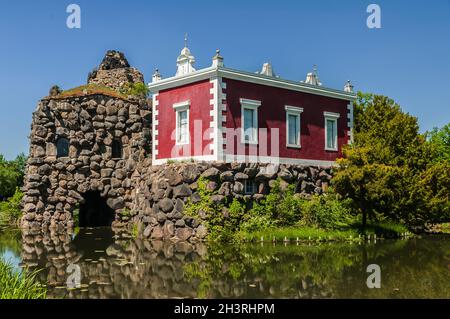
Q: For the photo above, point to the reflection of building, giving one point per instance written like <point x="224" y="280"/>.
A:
<point x="218" y="113"/>
<point x="155" y="269"/>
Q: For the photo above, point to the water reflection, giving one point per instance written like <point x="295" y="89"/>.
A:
<point x="131" y="268"/>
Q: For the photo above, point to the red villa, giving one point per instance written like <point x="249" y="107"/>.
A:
<point x="222" y="114"/>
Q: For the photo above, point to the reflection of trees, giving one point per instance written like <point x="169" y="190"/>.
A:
<point x="420" y="269"/>
<point x="10" y="240"/>
<point x="281" y="271"/>
<point x="132" y="268"/>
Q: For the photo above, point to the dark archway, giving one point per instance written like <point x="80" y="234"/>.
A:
<point x="94" y="212"/>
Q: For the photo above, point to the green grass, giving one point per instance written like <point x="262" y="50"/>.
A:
<point x="445" y="228"/>
<point x="305" y="233"/>
<point x="91" y="89"/>
<point x="15" y="285"/>
<point x="302" y="233"/>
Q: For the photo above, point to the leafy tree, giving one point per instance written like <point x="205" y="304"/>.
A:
<point x="11" y="175"/>
<point x="440" y="139"/>
<point x="386" y="170"/>
<point x="10" y="210"/>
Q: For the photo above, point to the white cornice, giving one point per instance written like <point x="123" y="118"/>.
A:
<point x="256" y="78"/>
<point x="294" y="109"/>
<point x="332" y="115"/>
<point x="182" y="105"/>
<point x="248" y="102"/>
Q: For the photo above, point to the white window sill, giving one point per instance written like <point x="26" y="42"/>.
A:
<point x="293" y="146"/>
<point x="331" y="149"/>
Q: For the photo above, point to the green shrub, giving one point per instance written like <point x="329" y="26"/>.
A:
<point x="137" y="89"/>
<point x="278" y="208"/>
<point x="256" y="223"/>
<point x="326" y="212"/>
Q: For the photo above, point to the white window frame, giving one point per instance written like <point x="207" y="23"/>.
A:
<point x="181" y="107"/>
<point x="330" y="116"/>
<point x="295" y="111"/>
<point x="250" y="105"/>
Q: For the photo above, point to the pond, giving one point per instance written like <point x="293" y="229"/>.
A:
<point x="97" y="264"/>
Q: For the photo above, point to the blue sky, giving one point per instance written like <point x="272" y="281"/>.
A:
<point x="407" y="59"/>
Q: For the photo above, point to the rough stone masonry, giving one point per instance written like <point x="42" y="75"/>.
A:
<point x="153" y="197"/>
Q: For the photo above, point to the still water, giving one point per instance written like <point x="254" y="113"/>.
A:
<point x="108" y="267"/>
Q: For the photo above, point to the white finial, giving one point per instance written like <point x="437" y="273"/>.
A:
<point x="348" y="87"/>
<point x="267" y="69"/>
<point x="185" y="39"/>
<point x="313" y="78"/>
<point x="156" y="76"/>
<point x="217" y="60"/>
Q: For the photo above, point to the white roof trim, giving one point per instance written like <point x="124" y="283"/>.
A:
<point x="210" y="72"/>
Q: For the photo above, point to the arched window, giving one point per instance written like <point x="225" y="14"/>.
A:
<point x="62" y="147"/>
<point x="116" y="149"/>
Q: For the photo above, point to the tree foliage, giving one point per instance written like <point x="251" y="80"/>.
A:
<point x="11" y="175"/>
<point x="391" y="171"/>
<point x="440" y="139"/>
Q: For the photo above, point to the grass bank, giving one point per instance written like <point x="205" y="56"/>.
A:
<point x="15" y="285"/>
<point x="308" y="233"/>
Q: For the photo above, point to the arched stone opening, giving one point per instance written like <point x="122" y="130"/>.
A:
<point x="94" y="211"/>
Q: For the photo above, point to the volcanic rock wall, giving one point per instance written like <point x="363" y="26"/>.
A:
<point x="163" y="191"/>
<point x="55" y="185"/>
<point x="115" y="72"/>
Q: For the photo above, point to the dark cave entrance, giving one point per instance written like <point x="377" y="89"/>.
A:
<point x="94" y="212"/>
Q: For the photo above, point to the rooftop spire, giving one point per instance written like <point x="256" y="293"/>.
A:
<point x="185" y="61"/>
<point x="313" y="78"/>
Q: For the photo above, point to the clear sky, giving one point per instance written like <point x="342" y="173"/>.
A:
<point x="407" y="59"/>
